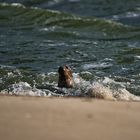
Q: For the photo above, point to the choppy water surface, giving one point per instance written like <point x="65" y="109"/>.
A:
<point x="99" y="39"/>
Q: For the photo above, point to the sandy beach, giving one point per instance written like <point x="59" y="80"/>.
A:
<point x="43" y="118"/>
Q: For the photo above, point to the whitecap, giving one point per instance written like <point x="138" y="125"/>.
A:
<point x="137" y="57"/>
<point x="96" y="65"/>
<point x="127" y="15"/>
<point x="18" y="5"/>
<point x="13" y="4"/>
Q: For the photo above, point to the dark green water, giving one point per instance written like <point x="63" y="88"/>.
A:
<point x="100" y="38"/>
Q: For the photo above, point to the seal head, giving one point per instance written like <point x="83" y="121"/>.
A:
<point x="65" y="77"/>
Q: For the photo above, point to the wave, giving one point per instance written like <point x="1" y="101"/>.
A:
<point x="17" y="82"/>
<point x="17" y="16"/>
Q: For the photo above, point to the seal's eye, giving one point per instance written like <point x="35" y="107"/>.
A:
<point x="67" y="67"/>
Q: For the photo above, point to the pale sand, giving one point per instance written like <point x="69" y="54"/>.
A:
<point x="37" y="118"/>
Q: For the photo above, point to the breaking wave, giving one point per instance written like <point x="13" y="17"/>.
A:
<point x="15" y="82"/>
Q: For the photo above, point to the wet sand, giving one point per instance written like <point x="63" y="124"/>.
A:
<point x="37" y="118"/>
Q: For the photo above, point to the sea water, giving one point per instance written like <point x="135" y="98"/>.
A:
<point x="98" y="39"/>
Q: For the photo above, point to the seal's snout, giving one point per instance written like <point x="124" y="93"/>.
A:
<point x="60" y="70"/>
<point x="65" y="77"/>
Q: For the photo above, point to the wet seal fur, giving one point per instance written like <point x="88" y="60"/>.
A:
<point x="65" y="77"/>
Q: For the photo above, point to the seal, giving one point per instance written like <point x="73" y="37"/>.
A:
<point x="65" y="77"/>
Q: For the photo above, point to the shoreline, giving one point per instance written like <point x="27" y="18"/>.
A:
<point x="24" y="117"/>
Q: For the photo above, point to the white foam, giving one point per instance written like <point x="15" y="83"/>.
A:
<point x="137" y="57"/>
<point x="10" y="74"/>
<point x="79" y="81"/>
<point x="13" y="4"/>
<point x="6" y="66"/>
<point x="132" y="14"/>
<point x="18" y="5"/>
<point x="109" y="81"/>
<point x="105" y="89"/>
<point x="98" y="90"/>
<point x="127" y="15"/>
<point x="23" y="88"/>
<point x="86" y="72"/>
<point x="52" y="73"/>
<point x="96" y="65"/>
<point x="48" y="29"/>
